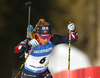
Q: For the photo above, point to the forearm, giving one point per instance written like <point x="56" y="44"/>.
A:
<point x="20" y="47"/>
<point x="74" y="36"/>
<point x="23" y="46"/>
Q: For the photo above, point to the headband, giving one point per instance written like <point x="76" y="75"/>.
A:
<point x="45" y="29"/>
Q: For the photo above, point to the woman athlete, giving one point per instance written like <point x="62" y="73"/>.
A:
<point x="36" y="65"/>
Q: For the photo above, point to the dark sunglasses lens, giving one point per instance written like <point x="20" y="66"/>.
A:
<point x="44" y="37"/>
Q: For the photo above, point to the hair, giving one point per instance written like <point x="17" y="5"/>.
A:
<point x="41" y="22"/>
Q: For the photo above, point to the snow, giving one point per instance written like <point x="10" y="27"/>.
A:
<point x="59" y="58"/>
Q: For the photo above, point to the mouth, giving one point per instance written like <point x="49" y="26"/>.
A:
<point x="44" y="42"/>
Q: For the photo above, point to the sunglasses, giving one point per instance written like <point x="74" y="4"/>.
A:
<point x="44" y="37"/>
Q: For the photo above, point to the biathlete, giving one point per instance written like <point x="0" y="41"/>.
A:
<point x="36" y="66"/>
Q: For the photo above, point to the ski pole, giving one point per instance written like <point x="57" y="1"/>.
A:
<point x="24" y="63"/>
<point x="29" y="28"/>
<point x="69" y="52"/>
<point x="28" y="4"/>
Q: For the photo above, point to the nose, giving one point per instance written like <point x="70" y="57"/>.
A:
<point x="45" y="40"/>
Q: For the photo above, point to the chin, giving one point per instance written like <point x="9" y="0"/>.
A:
<point x="44" y="43"/>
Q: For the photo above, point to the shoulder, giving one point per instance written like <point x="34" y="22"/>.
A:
<point x="27" y="39"/>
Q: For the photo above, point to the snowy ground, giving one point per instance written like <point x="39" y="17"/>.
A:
<point x="59" y="58"/>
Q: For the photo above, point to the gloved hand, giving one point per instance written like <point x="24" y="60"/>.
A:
<point x="33" y="42"/>
<point x="71" y="26"/>
<point x="19" y="47"/>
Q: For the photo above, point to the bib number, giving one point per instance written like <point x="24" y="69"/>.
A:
<point x="42" y="60"/>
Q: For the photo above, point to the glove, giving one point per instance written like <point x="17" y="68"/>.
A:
<point x="34" y="42"/>
<point x="19" y="48"/>
<point x="71" y="26"/>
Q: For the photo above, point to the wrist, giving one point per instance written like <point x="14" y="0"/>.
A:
<point x="29" y="43"/>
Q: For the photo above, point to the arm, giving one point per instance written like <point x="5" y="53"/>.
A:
<point x="57" y="39"/>
<point x="23" y="46"/>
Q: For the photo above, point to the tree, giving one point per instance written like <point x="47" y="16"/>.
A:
<point x="98" y="33"/>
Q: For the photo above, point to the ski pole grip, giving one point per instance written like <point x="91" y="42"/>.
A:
<point x="70" y="30"/>
<point x="28" y="4"/>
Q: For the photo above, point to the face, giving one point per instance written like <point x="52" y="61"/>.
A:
<point x="44" y="38"/>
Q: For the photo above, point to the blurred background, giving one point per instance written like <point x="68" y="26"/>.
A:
<point x="85" y="14"/>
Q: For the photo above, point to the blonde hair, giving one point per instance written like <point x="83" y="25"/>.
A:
<point x="40" y="23"/>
